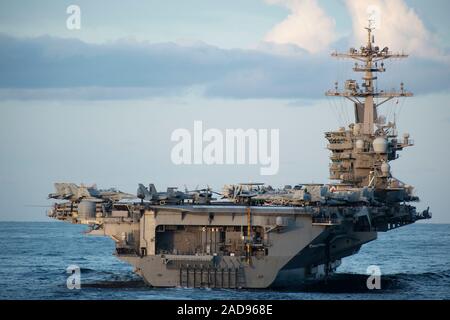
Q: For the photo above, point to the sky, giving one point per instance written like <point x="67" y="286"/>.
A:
<point x="99" y="104"/>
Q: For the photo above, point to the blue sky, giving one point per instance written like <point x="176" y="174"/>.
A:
<point x="98" y="104"/>
<point x="227" y="24"/>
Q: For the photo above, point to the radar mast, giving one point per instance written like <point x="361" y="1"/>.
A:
<point x="367" y="58"/>
<point x="361" y="154"/>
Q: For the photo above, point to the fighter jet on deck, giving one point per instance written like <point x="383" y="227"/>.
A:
<point x="75" y="193"/>
<point x="172" y="195"/>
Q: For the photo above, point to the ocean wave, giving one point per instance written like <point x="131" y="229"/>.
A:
<point x="357" y="283"/>
<point x="444" y="275"/>
<point x="116" y="284"/>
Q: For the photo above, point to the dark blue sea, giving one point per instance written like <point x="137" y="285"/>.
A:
<point x="414" y="262"/>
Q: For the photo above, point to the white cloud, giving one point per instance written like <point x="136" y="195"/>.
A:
<point x="307" y="26"/>
<point x="401" y="29"/>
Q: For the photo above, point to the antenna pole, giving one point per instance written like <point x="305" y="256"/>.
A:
<point x="364" y="98"/>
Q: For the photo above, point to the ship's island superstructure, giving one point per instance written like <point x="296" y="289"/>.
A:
<point x="256" y="236"/>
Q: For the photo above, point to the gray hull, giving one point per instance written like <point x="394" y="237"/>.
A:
<point x="299" y="250"/>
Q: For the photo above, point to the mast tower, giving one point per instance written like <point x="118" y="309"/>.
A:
<point x="360" y="155"/>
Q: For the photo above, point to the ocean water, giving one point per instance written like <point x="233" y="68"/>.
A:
<point x="414" y="262"/>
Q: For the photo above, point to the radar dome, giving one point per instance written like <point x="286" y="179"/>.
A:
<point x="380" y="145"/>
<point x="359" y="144"/>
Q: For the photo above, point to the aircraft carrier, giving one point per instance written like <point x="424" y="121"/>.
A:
<point x="255" y="236"/>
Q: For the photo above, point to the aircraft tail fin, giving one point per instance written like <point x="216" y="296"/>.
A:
<point x="152" y="189"/>
<point x="142" y="192"/>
